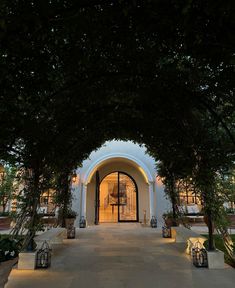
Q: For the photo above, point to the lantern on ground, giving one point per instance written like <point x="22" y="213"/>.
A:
<point x="82" y="223"/>
<point x="71" y="232"/>
<point x="166" y="232"/>
<point x="43" y="256"/>
<point x="153" y="222"/>
<point x="199" y="255"/>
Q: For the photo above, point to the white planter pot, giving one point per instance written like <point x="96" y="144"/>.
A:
<point x="215" y="259"/>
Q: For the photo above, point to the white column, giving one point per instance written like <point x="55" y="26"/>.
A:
<point x="151" y="199"/>
<point x="84" y="195"/>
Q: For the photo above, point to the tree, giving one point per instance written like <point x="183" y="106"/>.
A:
<point x="77" y="74"/>
<point x="213" y="156"/>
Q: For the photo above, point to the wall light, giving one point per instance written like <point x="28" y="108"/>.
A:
<point x="2" y="172"/>
<point x="159" y="180"/>
<point x="74" y="177"/>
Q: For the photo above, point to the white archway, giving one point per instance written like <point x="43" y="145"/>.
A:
<point x="142" y="167"/>
<point x="137" y="162"/>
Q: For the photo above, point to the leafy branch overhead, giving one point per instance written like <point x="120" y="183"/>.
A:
<point x="77" y="73"/>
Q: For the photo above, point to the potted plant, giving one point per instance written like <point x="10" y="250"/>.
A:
<point x="70" y="218"/>
<point x="169" y="219"/>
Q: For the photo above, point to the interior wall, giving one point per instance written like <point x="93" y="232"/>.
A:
<point x="122" y="166"/>
<point x="107" y="213"/>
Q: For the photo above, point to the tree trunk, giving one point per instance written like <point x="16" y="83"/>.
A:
<point x="173" y="201"/>
<point x="210" y="225"/>
<point x="3" y="207"/>
<point x="34" y="204"/>
<point x="63" y="190"/>
<point x="208" y="199"/>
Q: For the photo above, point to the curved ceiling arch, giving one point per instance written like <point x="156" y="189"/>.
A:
<point x="101" y="161"/>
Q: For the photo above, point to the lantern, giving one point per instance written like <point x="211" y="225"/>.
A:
<point x="74" y="177"/>
<point x="82" y="223"/>
<point x="166" y="232"/>
<point x="199" y="255"/>
<point x="43" y="256"/>
<point x="153" y="222"/>
<point x="71" y="232"/>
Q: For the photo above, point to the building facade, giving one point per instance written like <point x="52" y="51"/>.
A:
<point x="119" y="183"/>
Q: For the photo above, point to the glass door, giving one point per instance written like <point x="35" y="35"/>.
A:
<point x="118" y="197"/>
<point x="127" y="198"/>
<point x="108" y="210"/>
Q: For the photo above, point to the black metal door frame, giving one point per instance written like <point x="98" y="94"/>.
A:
<point x="97" y="197"/>
<point x="137" y="199"/>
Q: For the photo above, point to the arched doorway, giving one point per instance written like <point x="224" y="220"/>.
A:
<point x="118" y="198"/>
<point x="136" y="164"/>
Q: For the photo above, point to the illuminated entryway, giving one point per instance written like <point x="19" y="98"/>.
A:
<point x="136" y="169"/>
<point x="118" y="198"/>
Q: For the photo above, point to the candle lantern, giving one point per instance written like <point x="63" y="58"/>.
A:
<point x="43" y="256"/>
<point x="166" y="232"/>
<point x="199" y="255"/>
<point x="82" y="223"/>
<point x="71" y="232"/>
<point x="153" y="222"/>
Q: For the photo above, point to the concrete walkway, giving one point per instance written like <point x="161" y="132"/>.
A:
<point x="121" y="256"/>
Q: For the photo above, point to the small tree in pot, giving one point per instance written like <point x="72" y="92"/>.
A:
<point x="70" y="218"/>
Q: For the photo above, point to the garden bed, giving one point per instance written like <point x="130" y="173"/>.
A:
<point x="220" y="245"/>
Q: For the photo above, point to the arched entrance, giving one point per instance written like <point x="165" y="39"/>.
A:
<point x="90" y="196"/>
<point x="124" y="157"/>
<point x="118" y="198"/>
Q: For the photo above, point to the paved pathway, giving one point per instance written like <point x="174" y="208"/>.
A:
<point x="121" y="256"/>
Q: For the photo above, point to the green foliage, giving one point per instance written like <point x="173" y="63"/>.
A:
<point x="78" y="73"/>
<point x="70" y="214"/>
<point x="230" y="210"/>
<point x="9" y="248"/>
<point x="4" y="214"/>
<point x="220" y="245"/>
<point x="226" y="186"/>
<point x="26" y="216"/>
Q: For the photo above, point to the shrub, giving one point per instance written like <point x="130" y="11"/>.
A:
<point x="9" y="248"/>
